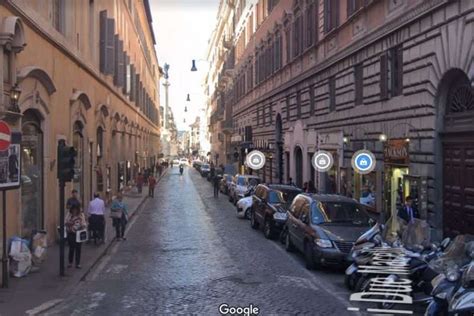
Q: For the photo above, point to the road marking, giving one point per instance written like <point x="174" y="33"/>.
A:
<point x="43" y="307"/>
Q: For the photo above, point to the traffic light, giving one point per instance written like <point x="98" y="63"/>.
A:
<point x="66" y="162"/>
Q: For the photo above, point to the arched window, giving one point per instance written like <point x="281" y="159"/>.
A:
<point x="78" y="144"/>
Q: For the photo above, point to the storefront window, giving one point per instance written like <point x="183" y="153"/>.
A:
<point x="365" y="189"/>
<point x="31" y="174"/>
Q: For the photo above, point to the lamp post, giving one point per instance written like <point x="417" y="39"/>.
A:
<point x="15" y="93"/>
<point x="193" y="65"/>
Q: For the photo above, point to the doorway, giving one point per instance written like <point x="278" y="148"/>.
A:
<point x="299" y="167"/>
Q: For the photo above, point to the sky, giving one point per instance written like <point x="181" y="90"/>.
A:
<point x="182" y="30"/>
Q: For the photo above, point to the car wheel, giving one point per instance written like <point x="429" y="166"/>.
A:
<point x="308" y="256"/>
<point x="288" y="243"/>
<point x="247" y="213"/>
<point x="239" y="210"/>
<point x="253" y="220"/>
<point x="267" y="229"/>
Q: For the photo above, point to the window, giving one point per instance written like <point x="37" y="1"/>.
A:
<point x="288" y="44"/>
<point x="311" y="100"/>
<point x="298" y="36"/>
<point x="383" y="77"/>
<point x="277" y="52"/>
<point x="354" y="6"/>
<point x="272" y="4"/>
<point x="258" y="116"/>
<point x="58" y="15"/>
<point x="332" y="94"/>
<point x="295" y="209"/>
<point x="331" y="15"/>
<point x="311" y="24"/>
<point x="396" y="71"/>
<point x="107" y="44"/>
<point x="298" y="103"/>
<point x="6" y="67"/>
<point x="358" y="84"/>
<point x="288" y="108"/>
<point x="100" y="149"/>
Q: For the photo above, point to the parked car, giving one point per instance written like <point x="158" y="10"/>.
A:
<point x="176" y="162"/>
<point x="183" y="161"/>
<point x="245" y="204"/>
<point x="225" y="183"/>
<point x="269" y="207"/>
<point x="324" y="228"/>
<point x="205" y="169"/>
<point x="198" y="165"/>
<point x="240" y="184"/>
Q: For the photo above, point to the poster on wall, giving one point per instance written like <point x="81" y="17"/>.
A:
<point x="9" y="158"/>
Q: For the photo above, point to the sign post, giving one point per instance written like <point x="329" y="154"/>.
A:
<point x="9" y="179"/>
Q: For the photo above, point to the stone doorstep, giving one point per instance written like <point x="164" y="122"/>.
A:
<point x="73" y="279"/>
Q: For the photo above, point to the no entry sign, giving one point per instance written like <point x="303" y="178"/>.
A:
<point x="5" y="136"/>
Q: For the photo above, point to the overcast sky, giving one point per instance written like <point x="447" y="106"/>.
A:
<point x="182" y="30"/>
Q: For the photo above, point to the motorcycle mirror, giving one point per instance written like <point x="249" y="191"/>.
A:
<point x="445" y="243"/>
<point x="371" y="222"/>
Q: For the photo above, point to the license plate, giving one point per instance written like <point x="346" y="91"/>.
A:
<point x="351" y="269"/>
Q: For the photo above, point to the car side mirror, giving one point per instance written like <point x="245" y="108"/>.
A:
<point x="372" y="222"/>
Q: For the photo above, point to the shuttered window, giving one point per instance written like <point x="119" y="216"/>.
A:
<point x="107" y="44"/>
<point x="311" y="18"/>
<point x="331" y="14"/>
<point x="137" y="90"/>
<point x="358" y="84"/>
<point x="298" y="103"/>
<point x="354" y="6"/>
<point x="288" y="108"/>
<point x="132" y="83"/>
<point x="126" y="75"/>
<point x="311" y="100"/>
<point x="332" y="94"/>
<point x="383" y="77"/>
<point x="396" y="71"/>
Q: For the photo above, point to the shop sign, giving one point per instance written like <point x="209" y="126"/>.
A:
<point x="396" y="152"/>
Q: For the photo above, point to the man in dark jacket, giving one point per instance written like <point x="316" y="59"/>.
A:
<point x="407" y="212"/>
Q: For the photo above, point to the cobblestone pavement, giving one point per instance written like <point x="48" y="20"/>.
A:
<point x="187" y="253"/>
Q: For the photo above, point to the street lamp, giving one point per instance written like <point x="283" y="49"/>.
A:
<point x="15" y="93"/>
<point x="193" y="67"/>
<point x="188" y="98"/>
<point x="382" y="137"/>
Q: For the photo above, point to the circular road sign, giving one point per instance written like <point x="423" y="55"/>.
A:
<point x="255" y="159"/>
<point x="322" y="161"/>
<point x="363" y="161"/>
<point x="5" y="136"/>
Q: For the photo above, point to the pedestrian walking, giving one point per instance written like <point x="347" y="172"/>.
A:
<point x="311" y="187"/>
<point x="151" y="186"/>
<point x="290" y="181"/>
<point x="75" y="221"/>
<point x="119" y="214"/>
<point x="305" y="187"/>
<point x="139" y="182"/>
<point x="96" y="214"/>
<point x="73" y="200"/>
<point x="216" y="181"/>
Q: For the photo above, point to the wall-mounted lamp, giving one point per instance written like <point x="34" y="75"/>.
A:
<point x="382" y="137"/>
<point x="15" y="93"/>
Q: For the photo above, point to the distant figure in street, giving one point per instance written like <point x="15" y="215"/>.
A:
<point x="96" y="214"/>
<point x="216" y="181"/>
<point x="305" y="187"/>
<point x="290" y="181"/>
<point x="407" y="212"/>
<point x="75" y="221"/>
<point x="73" y="200"/>
<point x="151" y="186"/>
<point x="119" y="214"/>
<point x="139" y="182"/>
<point x="13" y="165"/>
<point x="311" y="187"/>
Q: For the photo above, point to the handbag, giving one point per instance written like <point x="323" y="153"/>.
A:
<point x="116" y="213"/>
<point x="81" y="235"/>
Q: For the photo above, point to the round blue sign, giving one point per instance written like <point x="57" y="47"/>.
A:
<point x="363" y="161"/>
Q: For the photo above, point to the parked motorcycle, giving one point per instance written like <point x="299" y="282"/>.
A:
<point x="453" y="287"/>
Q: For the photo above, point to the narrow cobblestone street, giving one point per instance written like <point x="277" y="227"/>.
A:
<point x="187" y="253"/>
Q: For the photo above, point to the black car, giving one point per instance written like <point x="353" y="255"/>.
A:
<point x="270" y="204"/>
<point x="205" y="169"/>
<point x="324" y="228"/>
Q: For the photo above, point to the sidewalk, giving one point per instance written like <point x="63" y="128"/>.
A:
<point x="43" y="289"/>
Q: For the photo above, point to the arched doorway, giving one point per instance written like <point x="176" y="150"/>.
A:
<point x="32" y="217"/>
<point x="78" y="144"/>
<point x="299" y="166"/>
<point x="279" y="148"/>
<point x="456" y="101"/>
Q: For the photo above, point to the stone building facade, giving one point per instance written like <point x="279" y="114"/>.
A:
<point x="393" y="77"/>
<point x="88" y="74"/>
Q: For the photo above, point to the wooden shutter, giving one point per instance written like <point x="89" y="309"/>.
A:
<point x="383" y="76"/>
<point x="396" y="71"/>
<point x="358" y="84"/>
<point x="110" y="45"/>
<point x="126" y="74"/>
<point x="117" y="60"/>
<point x="332" y="94"/>
<point x="311" y="100"/>
<point x="103" y="41"/>
<point x="132" y="83"/>
<point x="137" y="90"/>
<point x="298" y="103"/>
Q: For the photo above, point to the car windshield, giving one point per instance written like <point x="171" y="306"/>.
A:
<point x="339" y="212"/>
<point x="205" y="167"/>
<point x="275" y="197"/>
<point x="241" y="181"/>
<point x="253" y="181"/>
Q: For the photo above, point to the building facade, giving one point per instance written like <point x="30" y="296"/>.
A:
<point x="392" y="77"/>
<point x="88" y="74"/>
